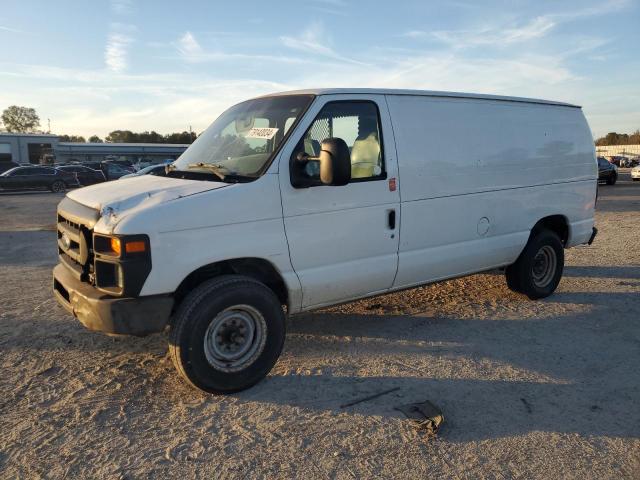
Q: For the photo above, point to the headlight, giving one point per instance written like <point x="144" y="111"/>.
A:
<point x="121" y="263"/>
<point x="116" y="246"/>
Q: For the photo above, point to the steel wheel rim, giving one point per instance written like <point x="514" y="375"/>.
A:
<point x="544" y="266"/>
<point x="235" y="338"/>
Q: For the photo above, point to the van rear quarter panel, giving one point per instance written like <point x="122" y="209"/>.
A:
<point x="464" y="160"/>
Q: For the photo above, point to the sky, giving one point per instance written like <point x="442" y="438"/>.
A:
<point x="93" y="67"/>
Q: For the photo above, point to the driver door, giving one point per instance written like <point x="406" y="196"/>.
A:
<point x="343" y="240"/>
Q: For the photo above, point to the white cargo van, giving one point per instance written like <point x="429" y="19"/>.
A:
<point x="300" y="200"/>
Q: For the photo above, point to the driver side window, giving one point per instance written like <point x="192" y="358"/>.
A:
<point x="358" y="124"/>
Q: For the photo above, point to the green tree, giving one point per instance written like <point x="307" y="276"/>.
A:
<point x="95" y="139"/>
<point x="182" y="137"/>
<point x="20" y="119"/>
<point x="614" y="138"/>
<point x="127" y="136"/>
<point x="122" y="136"/>
<point x="71" y="138"/>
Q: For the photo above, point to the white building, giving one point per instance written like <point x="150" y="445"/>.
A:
<point x="26" y="147"/>
<point x="625" y="150"/>
<point x="31" y="147"/>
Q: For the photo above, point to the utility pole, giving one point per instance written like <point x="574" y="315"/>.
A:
<point x="48" y="125"/>
<point x="190" y="135"/>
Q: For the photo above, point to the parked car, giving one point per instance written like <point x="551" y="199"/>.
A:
<point x="607" y="172"/>
<point x="625" y="162"/>
<point x="148" y="163"/>
<point x="158" y="170"/>
<point x="111" y="169"/>
<point x="86" y="176"/>
<point x="91" y="164"/>
<point x="4" y="166"/>
<point x="126" y="164"/>
<point x="635" y="173"/>
<point x="243" y="229"/>
<point x="114" y="170"/>
<point x="32" y="177"/>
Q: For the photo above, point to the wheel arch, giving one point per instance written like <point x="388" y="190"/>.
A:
<point x="559" y="224"/>
<point x="253" y="267"/>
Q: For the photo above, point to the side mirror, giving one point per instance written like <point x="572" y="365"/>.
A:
<point x="335" y="162"/>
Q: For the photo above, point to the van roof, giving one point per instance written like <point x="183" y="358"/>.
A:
<point x="423" y="93"/>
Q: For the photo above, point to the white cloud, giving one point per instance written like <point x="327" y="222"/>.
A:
<point x="415" y="34"/>
<point x="121" y="7"/>
<point x="9" y="29"/>
<point x="116" y="49"/>
<point x="494" y="35"/>
<point x="500" y="34"/>
<point x="189" y="47"/>
<point x="315" y="40"/>
<point x="191" y="51"/>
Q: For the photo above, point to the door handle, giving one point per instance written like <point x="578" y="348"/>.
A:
<point x="391" y="219"/>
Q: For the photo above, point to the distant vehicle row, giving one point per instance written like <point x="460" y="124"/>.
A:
<point x="38" y="177"/>
<point x="624" y="162"/>
<point x="58" y="178"/>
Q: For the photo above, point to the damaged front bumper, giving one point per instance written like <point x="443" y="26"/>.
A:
<point x="100" y="312"/>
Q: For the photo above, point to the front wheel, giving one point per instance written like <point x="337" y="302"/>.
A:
<point x="58" y="186"/>
<point x="227" y="334"/>
<point x="537" y="271"/>
<point x="612" y="179"/>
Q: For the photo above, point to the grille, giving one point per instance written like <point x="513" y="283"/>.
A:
<point x="75" y="247"/>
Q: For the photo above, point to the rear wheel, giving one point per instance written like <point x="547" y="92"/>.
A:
<point x="227" y="334"/>
<point x="537" y="271"/>
<point x="612" y="179"/>
<point x="58" y="186"/>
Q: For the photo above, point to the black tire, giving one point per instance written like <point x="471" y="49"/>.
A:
<point x="612" y="179"/>
<point x="58" y="186"/>
<point x="528" y="274"/>
<point x="208" y="313"/>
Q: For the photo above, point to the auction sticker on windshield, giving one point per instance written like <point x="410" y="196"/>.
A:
<point x="266" y="133"/>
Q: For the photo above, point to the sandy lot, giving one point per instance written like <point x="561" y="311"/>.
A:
<point x="547" y="389"/>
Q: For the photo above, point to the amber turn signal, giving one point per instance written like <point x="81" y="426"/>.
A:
<point x="135" y="247"/>
<point x="116" y="247"/>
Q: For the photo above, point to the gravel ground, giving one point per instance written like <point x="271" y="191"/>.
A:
<point x="546" y="389"/>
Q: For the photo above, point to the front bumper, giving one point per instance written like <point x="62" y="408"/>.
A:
<point x="635" y="173"/>
<point x="103" y="313"/>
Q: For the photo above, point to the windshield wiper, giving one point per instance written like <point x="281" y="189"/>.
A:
<point x="219" y="170"/>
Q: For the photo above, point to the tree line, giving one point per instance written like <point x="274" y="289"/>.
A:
<point x="127" y="136"/>
<point x="614" y="138"/>
<point x="16" y="119"/>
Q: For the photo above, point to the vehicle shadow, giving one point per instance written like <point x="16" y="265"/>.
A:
<point x="598" y="271"/>
<point x="566" y="374"/>
<point x="474" y="409"/>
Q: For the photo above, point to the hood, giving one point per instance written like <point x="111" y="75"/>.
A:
<point x="118" y="198"/>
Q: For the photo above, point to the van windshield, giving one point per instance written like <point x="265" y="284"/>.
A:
<point x="243" y="140"/>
